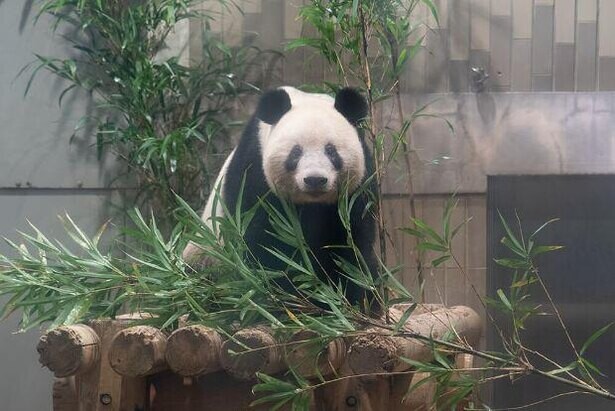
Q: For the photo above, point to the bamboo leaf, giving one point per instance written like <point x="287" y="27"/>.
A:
<point x="599" y="333"/>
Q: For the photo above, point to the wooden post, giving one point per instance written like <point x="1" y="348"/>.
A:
<point x="82" y="351"/>
<point x="102" y="389"/>
<point x="194" y="350"/>
<point x="65" y="394"/>
<point x="138" y="351"/>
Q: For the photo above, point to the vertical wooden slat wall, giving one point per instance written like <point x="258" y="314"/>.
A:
<point x="525" y="45"/>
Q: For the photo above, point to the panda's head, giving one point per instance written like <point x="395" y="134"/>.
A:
<point x="311" y="144"/>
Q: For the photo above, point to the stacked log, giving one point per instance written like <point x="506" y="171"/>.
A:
<point x="138" y="351"/>
<point x="310" y="356"/>
<point x="380" y="351"/>
<point x="250" y="351"/>
<point x="68" y="351"/>
<point x="114" y="362"/>
<point x="193" y="351"/>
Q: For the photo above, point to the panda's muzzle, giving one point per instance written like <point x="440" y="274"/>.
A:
<point x="316" y="184"/>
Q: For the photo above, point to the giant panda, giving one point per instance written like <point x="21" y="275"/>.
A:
<point x="304" y="148"/>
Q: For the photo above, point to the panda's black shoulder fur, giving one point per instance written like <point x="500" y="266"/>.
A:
<point x="321" y="224"/>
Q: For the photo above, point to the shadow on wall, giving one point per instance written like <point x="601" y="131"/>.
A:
<point x="508" y="133"/>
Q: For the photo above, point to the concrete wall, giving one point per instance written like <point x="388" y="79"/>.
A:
<point x="42" y="175"/>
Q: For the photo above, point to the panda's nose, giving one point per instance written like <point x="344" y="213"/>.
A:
<point x="315" y="182"/>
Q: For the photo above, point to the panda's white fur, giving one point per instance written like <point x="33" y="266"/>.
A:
<point x="212" y="208"/>
<point x="303" y="126"/>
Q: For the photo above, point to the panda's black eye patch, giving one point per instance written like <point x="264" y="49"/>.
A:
<point x="334" y="156"/>
<point x="293" y="158"/>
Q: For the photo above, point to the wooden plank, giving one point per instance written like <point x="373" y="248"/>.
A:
<point x="500" y="43"/>
<point x="437" y="61"/>
<point x="455" y="287"/>
<point x="272" y="27"/>
<point x="501" y="7"/>
<point x="564" y="21"/>
<point x="391" y="213"/>
<point x="563" y="67"/>
<point x="606" y="47"/>
<point x="410" y="272"/>
<point x="292" y="22"/>
<point x="442" y="7"/>
<point x="542" y="40"/>
<point x="101" y="389"/>
<point x="587" y="10"/>
<point x="65" y="394"/>
<point x="477" y="232"/>
<point x="522" y="19"/>
<point x="521" y="71"/>
<point x="252" y="6"/>
<point x="210" y="392"/>
<point x="480" y="24"/>
<point x="459" y="244"/>
<point x="585" y="55"/>
<point x="606" y="74"/>
<point x="459" y="29"/>
<point x="233" y="25"/>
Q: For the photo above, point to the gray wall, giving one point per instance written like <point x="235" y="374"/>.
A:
<point x="41" y="176"/>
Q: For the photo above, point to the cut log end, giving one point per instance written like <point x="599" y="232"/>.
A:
<point x="376" y="353"/>
<point x="138" y="351"/>
<point x="262" y="354"/>
<point x="372" y="353"/>
<point x="194" y="350"/>
<point x="308" y="356"/>
<point x="69" y="350"/>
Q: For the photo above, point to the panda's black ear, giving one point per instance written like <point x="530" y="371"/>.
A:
<point x="273" y="105"/>
<point x="351" y="104"/>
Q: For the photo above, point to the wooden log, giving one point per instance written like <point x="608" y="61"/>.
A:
<point x="194" y="350"/>
<point x="69" y="350"/>
<point x="396" y="311"/>
<point x="307" y="356"/>
<point x="377" y="352"/>
<point x="138" y="351"/>
<point x="262" y="354"/>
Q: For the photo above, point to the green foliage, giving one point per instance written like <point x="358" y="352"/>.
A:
<point x="53" y="282"/>
<point x="341" y="28"/>
<point x="163" y="119"/>
<point x="430" y="240"/>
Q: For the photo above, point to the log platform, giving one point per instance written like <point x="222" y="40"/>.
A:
<point x="117" y="365"/>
